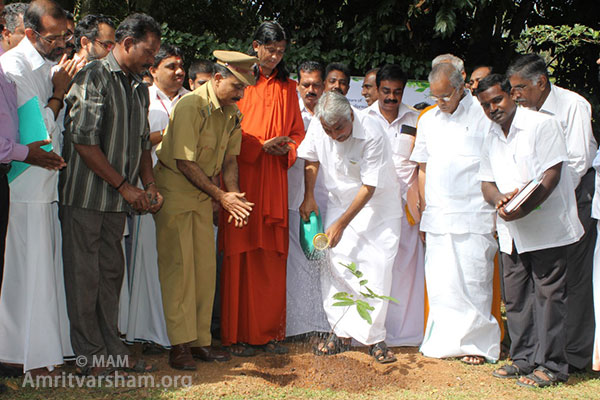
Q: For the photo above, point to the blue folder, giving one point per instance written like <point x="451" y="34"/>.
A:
<point x="31" y="129"/>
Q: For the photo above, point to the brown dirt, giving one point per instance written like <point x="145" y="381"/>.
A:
<point x="353" y="371"/>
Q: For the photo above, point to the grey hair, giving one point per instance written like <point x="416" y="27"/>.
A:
<point x="13" y="15"/>
<point x="529" y="67"/>
<point x="448" y="71"/>
<point x="333" y="107"/>
<point x="449" y="58"/>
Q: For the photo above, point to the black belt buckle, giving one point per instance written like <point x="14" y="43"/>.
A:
<point x="4" y="168"/>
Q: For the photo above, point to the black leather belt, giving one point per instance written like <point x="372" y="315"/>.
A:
<point x="4" y="168"/>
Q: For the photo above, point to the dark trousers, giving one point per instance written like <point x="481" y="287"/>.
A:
<point x="4" y="205"/>
<point x="536" y="309"/>
<point x="580" y="260"/>
<point x="93" y="268"/>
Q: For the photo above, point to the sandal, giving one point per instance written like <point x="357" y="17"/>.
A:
<point x="511" y="371"/>
<point x="141" y="367"/>
<point x="333" y="345"/>
<point x="543" y="378"/>
<point x="274" y="347"/>
<point x="473" y="360"/>
<point x="241" y="350"/>
<point x="381" y="353"/>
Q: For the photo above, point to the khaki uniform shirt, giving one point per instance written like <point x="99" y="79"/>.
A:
<point x="199" y="130"/>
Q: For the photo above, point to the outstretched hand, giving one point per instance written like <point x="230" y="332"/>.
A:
<point x="42" y="158"/>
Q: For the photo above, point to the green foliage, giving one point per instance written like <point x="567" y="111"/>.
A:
<point x="362" y="306"/>
<point x="570" y="52"/>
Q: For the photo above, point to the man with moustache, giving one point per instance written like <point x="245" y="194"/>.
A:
<point x="458" y="223"/>
<point x="146" y="320"/>
<point x="304" y="307"/>
<point x="531" y="88"/>
<point x="107" y="147"/>
<point x="34" y="303"/>
<point x="369" y="87"/>
<point x="13" y="30"/>
<point x="520" y="146"/>
<point x="404" y="322"/>
<point x="199" y="73"/>
<point x="94" y="37"/>
<point x="202" y="140"/>
<point x="478" y="74"/>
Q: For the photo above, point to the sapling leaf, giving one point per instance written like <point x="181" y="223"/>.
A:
<point x="364" y="304"/>
<point x="364" y="314"/>
<point x="363" y="282"/>
<point x="344" y="303"/>
<point x="389" y="298"/>
<point x="340" y="295"/>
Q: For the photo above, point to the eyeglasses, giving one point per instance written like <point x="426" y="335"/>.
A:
<point x="107" y="45"/>
<point x="53" y="39"/>
<point x="444" y="99"/>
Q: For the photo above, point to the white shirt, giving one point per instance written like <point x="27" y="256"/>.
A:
<point x="450" y="145"/>
<point x="401" y="144"/>
<point x="160" y="107"/>
<point x="534" y="143"/>
<point x="362" y="159"/>
<point x="575" y="116"/>
<point x="32" y="75"/>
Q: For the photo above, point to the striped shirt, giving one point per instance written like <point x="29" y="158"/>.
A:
<point x="107" y="109"/>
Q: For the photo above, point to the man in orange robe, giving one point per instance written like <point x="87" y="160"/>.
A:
<point x="254" y="264"/>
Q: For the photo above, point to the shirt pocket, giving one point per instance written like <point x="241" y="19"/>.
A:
<point x="403" y="146"/>
<point x="470" y="145"/>
<point x="206" y="148"/>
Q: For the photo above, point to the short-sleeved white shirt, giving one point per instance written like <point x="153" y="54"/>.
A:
<point x="363" y="158"/>
<point x="450" y="145"/>
<point x="574" y="114"/>
<point x="535" y="142"/>
<point x="401" y="144"/>
<point x="160" y="107"/>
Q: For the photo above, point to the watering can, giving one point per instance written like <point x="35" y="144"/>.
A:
<point x="312" y="239"/>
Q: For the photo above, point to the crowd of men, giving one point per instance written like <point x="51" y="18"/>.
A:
<point x="171" y="217"/>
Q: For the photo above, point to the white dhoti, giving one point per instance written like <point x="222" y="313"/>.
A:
<point x="146" y="319"/>
<point x="404" y="322"/>
<point x="34" y="326"/>
<point x="459" y="272"/>
<point x="371" y="242"/>
<point x="596" y="281"/>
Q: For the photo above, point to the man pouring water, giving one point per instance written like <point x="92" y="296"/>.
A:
<point x="362" y="223"/>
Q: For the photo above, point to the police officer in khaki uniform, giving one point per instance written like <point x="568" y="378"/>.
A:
<point x="202" y="140"/>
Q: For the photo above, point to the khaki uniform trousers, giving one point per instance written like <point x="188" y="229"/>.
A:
<point x="186" y="266"/>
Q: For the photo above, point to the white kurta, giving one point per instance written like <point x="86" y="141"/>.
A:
<point x="459" y="255"/>
<point x="405" y="319"/>
<point x="304" y="307"/>
<point x="371" y="239"/>
<point x="146" y="319"/>
<point x="34" y="327"/>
